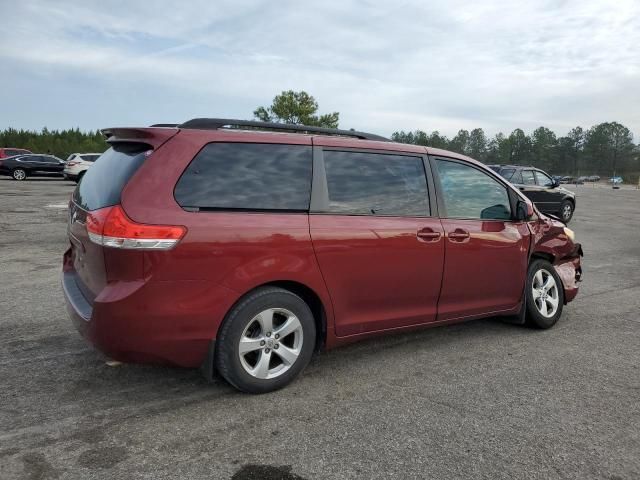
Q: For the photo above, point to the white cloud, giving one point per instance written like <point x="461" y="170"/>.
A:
<point x="439" y="65"/>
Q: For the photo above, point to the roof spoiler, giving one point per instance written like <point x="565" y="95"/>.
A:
<point x="151" y="136"/>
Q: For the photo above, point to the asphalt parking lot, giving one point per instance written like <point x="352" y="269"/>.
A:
<point x="482" y="400"/>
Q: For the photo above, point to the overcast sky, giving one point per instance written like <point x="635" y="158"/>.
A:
<point x="385" y="66"/>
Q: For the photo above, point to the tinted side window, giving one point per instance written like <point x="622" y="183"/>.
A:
<point x="376" y="184"/>
<point x="507" y="173"/>
<point x="102" y="185"/>
<point x="247" y="176"/>
<point x="516" y="178"/>
<point x="471" y="193"/>
<point x="528" y="178"/>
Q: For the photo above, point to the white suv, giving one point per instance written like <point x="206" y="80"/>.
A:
<point x="77" y="164"/>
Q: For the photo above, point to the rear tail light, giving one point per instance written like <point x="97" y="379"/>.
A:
<point x="111" y="227"/>
<point x="71" y="164"/>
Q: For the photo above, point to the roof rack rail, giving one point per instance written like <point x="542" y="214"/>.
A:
<point x="215" y="123"/>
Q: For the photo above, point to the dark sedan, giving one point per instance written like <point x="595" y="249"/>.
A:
<point x="541" y="188"/>
<point x="20" y="167"/>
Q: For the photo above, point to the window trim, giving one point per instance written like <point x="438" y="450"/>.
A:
<point x="512" y="196"/>
<point x="320" y="187"/>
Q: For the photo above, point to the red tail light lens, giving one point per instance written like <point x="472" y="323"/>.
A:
<point x="111" y="227"/>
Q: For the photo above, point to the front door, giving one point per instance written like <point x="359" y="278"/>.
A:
<point x="380" y="252"/>
<point x="50" y="164"/>
<point x="549" y="198"/>
<point x="485" y="251"/>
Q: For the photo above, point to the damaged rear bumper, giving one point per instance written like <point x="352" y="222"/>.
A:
<point x="569" y="269"/>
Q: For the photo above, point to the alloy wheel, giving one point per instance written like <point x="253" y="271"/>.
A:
<point x="545" y="293"/>
<point x="270" y="343"/>
<point x="19" y="174"/>
<point x="566" y="212"/>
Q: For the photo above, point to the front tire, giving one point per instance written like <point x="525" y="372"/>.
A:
<point x="545" y="295"/>
<point x="19" y="174"/>
<point x="566" y="211"/>
<point x="265" y="341"/>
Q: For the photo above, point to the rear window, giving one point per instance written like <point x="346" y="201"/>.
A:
<point x="102" y="185"/>
<point x="90" y="158"/>
<point x="247" y="176"/>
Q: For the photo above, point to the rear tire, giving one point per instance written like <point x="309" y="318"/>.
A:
<point x="265" y="341"/>
<point x="19" y="174"/>
<point x="545" y="295"/>
<point x="566" y="211"/>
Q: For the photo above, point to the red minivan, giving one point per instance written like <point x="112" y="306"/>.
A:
<point x="244" y="247"/>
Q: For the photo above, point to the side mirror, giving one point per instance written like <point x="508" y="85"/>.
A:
<point x="524" y="210"/>
<point x="555" y="184"/>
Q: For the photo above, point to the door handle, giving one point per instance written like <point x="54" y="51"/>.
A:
<point x="459" y="235"/>
<point x="428" y="235"/>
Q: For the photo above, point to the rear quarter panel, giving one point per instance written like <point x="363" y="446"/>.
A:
<point x="235" y="250"/>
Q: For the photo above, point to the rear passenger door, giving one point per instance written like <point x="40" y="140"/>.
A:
<point x="485" y="250"/>
<point x="33" y="163"/>
<point x="379" y="248"/>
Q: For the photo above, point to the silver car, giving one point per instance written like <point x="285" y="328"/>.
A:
<point x="77" y="164"/>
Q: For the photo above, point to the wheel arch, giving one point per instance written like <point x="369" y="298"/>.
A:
<point x="312" y="299"/>
<point x="306" y="293"/>
<point x="540" y="255"/>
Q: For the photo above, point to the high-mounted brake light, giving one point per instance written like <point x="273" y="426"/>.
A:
<point x="111" y="227"/>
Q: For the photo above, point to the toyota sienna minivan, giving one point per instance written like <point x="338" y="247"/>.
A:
<point x="244" y="247"/>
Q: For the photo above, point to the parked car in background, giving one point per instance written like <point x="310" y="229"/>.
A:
<point x="543" y="190"/>
<point x="566" y="179"/>
<point x="593" y="178"/>
<point x="246" y="249"/>
<point x="616" y="182"/>
<point x="77" y="164"/>
<point x="22" y="166"/>
<point x="12" y="152"/>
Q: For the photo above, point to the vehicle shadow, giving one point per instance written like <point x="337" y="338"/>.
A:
<point x="150" y="382"/>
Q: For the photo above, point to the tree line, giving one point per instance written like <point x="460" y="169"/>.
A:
<point x="602" y="149"/>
